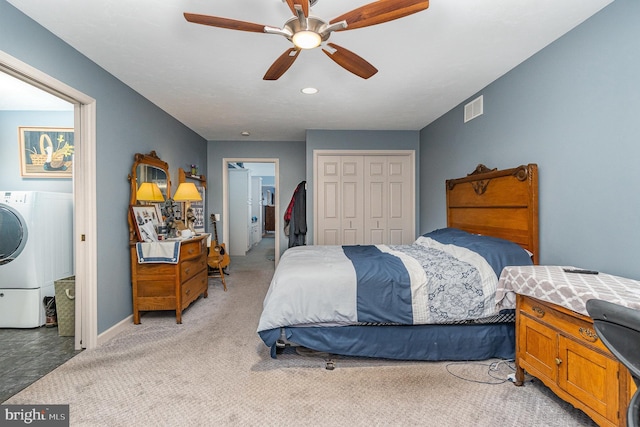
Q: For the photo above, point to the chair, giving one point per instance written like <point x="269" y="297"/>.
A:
<point x="619" y="329"/>
<point x="214" y="261"/>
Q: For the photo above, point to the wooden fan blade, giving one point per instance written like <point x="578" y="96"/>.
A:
<point x="282" y="64"/>
<point x="380" y="11"/>
<point x="231" y="24"/>
<point x="292" y="3"/>
<point x="305" y="6"/>
<point x="351" y="62"/>
<point x="303" y="3"/>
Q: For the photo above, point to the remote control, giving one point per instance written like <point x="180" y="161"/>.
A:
<point x="579" y="270"/>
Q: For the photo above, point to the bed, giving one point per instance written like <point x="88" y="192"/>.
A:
<point x="432" y="300"/>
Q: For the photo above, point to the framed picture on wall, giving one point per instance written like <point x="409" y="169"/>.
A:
<point x="198" y="210"/>
<point x="46" y="152"/>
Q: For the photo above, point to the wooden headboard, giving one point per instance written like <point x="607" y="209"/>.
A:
<point x="499" y="203"/>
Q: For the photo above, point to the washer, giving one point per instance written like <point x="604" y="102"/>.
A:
<point x="36" y="249"/>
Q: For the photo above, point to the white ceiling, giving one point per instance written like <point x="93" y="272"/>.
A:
<point x="17" y="95"/>
<point x="211" y="79"/>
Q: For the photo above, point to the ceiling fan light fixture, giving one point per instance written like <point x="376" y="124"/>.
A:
<point x="306" y="39"/>
<point x="306" y="31"/>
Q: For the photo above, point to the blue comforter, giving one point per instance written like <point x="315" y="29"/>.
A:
<point x="383" y="285"/>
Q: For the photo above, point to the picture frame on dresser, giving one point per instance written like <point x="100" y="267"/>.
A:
<point x="145" y="218"/>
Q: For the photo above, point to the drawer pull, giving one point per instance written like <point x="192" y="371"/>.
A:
<point x="588" y="334"/>
<point x="187" y="292"/>
<point x="558" y="361"/>
<point x="538" y="311"/>
<point x="187" y="270"/>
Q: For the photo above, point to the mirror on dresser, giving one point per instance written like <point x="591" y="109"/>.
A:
<point x="147" y="169"/>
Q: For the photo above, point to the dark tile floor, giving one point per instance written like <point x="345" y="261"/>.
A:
<point x="27" y="355"/>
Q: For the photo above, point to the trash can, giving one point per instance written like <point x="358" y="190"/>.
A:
<point x="66" y="306"/>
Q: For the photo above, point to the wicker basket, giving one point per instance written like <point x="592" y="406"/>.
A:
<point x="66" y="306"/>
<point x="39" y="159"/>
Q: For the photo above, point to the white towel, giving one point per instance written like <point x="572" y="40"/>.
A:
<point x="156" y="252"/>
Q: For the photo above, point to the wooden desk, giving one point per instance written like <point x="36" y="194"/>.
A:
<point x="165" y="286"/>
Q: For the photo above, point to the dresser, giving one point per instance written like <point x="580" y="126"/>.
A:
<point x="167" y="286"/>
<point x="556" y="341"/>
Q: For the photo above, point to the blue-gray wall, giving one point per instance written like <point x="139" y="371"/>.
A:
<point x="574" y="109"/>
<point x="290" y="155"/>
<point x="127" y="124"/>
<point x="10" y="178"/>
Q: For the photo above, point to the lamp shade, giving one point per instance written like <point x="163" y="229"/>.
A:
<point x="187" y="192"/>
<point x="149" y="192"/>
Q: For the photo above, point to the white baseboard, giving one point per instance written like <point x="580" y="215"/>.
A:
<point x="114" y="330"/>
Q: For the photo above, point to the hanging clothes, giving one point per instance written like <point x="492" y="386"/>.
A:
<point x="295" y="217"/>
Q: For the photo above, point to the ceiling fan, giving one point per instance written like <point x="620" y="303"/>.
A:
<point x="306" y="31"/>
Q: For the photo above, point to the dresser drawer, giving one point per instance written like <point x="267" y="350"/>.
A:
<point x="193" y="287"/>
<point x="191" y="267"/>
<point x="577" y="328"/>
<point x="156" y="287"/>
<point x="192" y="248"/>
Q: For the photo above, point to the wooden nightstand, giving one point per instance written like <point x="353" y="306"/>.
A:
<point x="560" y="347"/>
<point x="556" y="341"/>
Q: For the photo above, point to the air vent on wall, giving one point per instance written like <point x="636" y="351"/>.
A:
<point x="473" y="109"/>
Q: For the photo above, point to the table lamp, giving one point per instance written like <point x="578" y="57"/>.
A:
<point x="187" y="192"/>
<point x="149" y="192"/>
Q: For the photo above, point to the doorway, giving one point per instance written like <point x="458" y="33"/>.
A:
<point x="268" y="170"/>
<point x="84" y="190"/>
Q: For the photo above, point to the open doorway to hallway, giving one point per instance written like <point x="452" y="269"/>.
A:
<point x="250" y="205"/>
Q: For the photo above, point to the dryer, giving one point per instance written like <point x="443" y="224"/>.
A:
<point x="36" y="249"/>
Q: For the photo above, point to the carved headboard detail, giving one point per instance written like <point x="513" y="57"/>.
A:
<point x="499" y="203"/>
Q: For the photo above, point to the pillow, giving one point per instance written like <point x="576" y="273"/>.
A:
<point x="499" y="253"/>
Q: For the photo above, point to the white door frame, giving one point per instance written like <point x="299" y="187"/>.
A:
<point x="84" y="189"/>
<point x="225" y="196"/>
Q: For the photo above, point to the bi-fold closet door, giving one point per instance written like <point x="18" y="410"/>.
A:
<point x="365" y="199"/>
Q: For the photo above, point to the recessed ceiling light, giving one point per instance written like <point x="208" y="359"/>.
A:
<point x="245" y="133"/>
<point x="309" y="90"/>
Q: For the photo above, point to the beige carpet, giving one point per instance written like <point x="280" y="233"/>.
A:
<point x="213" y="370"/>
